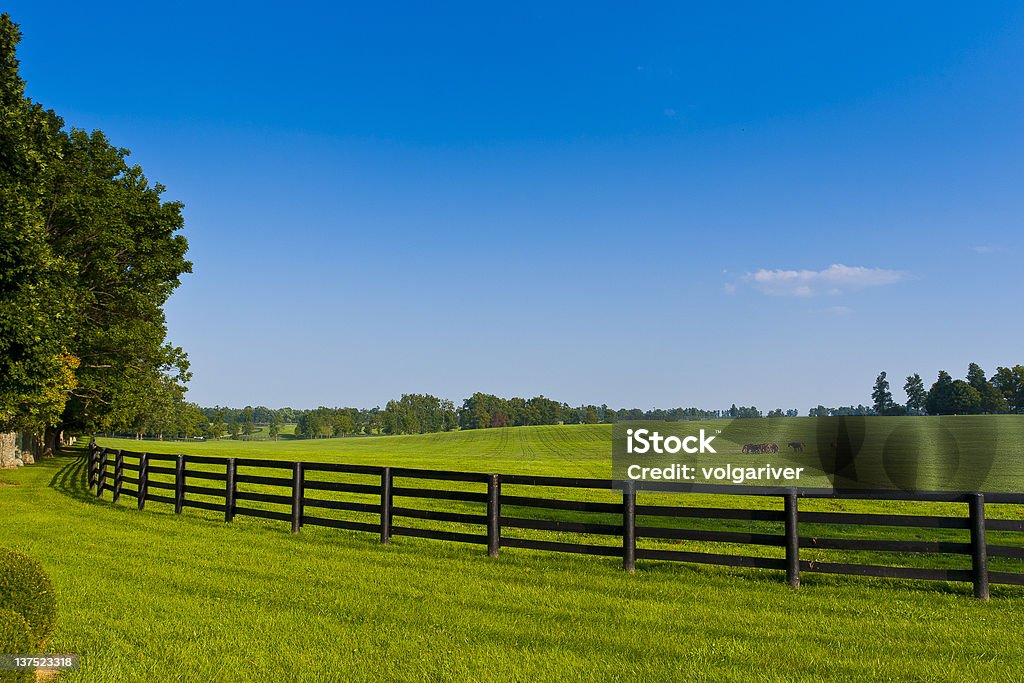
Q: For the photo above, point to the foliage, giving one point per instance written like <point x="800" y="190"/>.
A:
<point x="36" y="369"/>
<point x="916" y="394"/>
<point x="106" y="219"/>
<point x="1010" y="383"/>
<point x="991" y="399"/>
<point x="940" y="397"/>
<point x="481" y="411"/>
<point x="419" y="414"/>
<point x="973" y="396"/>
<point x="881" y="397"/>
<point x="15" y="638"/>
<point x="89" y="257"/>
<point x="26" y="589"/>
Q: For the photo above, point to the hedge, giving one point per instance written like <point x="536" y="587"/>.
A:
<point x="15" y="638"/>
<point x="25" y="588"/>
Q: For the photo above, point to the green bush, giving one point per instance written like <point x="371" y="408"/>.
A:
<point x="25" y="588"/>
<point x="15" y="638"/>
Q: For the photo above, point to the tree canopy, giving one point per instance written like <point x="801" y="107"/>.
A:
<point x="89" y="254"/>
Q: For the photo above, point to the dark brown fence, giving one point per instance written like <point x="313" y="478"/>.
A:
<point x="303" y="496"/>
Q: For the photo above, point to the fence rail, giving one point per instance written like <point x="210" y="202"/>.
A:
<point x="299" y="489"/>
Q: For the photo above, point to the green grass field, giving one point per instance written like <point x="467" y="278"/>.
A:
<point x="583" y="450"/>
<point x="151" y="596"/>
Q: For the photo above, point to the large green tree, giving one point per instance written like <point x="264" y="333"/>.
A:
<point x="88" y="256"/>
<point x="112" y="226"/>
<point x="36" y="367"/>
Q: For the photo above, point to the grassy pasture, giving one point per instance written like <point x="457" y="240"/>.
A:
<point x="584" y="451"/>
<point x="153" y="596"/>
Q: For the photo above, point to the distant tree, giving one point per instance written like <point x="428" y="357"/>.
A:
<point x="940" y="400"/>
<point x="344" y="424"/>
<point x="191" y="421"/>
<point x="966" y="399"/>
<point x="274" y="427"/>
<point x="217" y="429"/>
<point x="881" y="397"/>
<point x="916" y="394"/>
<point x="776" y="413"/>
<point x="248" y="420"/>
<point x="1009" y="382"/>
<point x="992" y="400"/>
<point x="419" y="414"/>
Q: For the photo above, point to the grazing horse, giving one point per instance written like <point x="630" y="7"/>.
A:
<point x="797" y="446"/>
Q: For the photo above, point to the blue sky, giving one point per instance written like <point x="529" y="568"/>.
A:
<point x="633" y="204"/>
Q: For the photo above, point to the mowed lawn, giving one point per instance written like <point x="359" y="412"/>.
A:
<point x="585" y="450"/>
<point x="573" y="450"/>
<point x="152" y="596"/>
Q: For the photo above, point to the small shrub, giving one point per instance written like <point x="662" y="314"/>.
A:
<point x="25" y="588"/>
<point x="15" y="638"/>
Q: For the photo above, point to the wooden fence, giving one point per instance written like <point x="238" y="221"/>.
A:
<point x="186" y="476"/>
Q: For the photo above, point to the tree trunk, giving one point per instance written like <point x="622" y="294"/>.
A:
<point x="51" y="441"/>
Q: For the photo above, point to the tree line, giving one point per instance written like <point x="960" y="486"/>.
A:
<point x="423" y="413"/>
<point x="89" y="253"/>
<point x="975" y="394"/>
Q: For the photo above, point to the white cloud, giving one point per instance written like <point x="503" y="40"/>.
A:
<point x="838" y="310"/>
<point x="984" y="249"/>
<point x="836" y="279"/>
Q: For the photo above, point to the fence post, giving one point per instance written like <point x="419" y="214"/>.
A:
<point x="493" y="514"/>
<point x="101" y="476"/>
<point x="792" y="540"/>
<point x="979" y="553"/>
<point x="629" y="526"/>
<point x="179" y="484"/>
<point x="296" y="497"/>
<point x="118" y="474"/>
<point x="229" y="490"/>
<point x="143" y="479"/>
<point x="385" y="505"/>
<point x="92" y="463"/>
